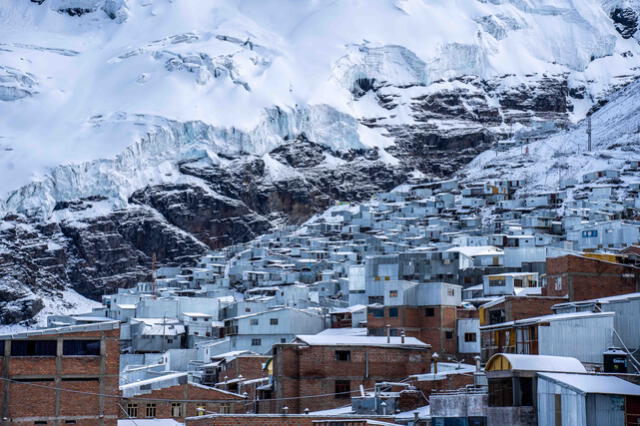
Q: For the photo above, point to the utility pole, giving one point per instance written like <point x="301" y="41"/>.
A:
<point x="589" y="133"/>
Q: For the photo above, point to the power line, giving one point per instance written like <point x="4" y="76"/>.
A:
<point x="169" y="400"/>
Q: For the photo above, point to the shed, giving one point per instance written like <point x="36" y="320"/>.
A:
<point x="586" y="399"/>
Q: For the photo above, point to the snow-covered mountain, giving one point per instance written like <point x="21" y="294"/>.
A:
<point x="132" y="127"/>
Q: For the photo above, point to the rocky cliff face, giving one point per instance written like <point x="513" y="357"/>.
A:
<point x="172" y="128"/>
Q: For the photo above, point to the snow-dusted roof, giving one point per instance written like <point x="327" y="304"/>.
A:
<point x="347" y="340"/>
<point x="548" y="318"/>
<point x="618" y="298"/>
<point x="594" y="383"/>
<point x="471" y="251"/>
<point x="352" y="308"/>
<point x="539" y="363"/>
<point x="343" y="332"/>
<point x="103" y="325"/>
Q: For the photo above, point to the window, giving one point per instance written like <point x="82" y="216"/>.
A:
<point x="470" y="337"/>
<point x="254" y="321"/>
<point x="497" y="316"/>
<point x="177" y="409"/>
<point x="132" y="410"/>
<point x="343" y="355"/>
<point x="429" y="312"/>
<point x="451" y="292"/>
<point x="225" y="408"/>
<point x="70" y="422"/>
<point x="169" y="340"/>
<point x="200" y="411"/>
<point x="393" y="312"/>
<point x="448" y="334"/>
<point x="33" y="348"/>
<point x="151" y="410"/>
<point x="81" y="347"/>
<point x="247" y="309"/>
<point x="559" y="283"/>
<point x="500" y="392"/>
<point x="40" y="422"/>
<point x="273" y="321"/>
<point x="393" y="293"/>
<point x="387" y="278"/>
<point x="377" y="313"/>
<point x="256" y="342"/>
<point x="343" y="389"/>
<point x="1" y="347"/>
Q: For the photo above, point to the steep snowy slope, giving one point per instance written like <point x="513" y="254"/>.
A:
<point x="133" y="127"/>
<point x="227" y="64"/>
<point x="562" y="160"/>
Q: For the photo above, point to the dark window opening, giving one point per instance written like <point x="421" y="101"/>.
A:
<point x="448" y="334"/>
<point x="343" y="389"/>
<point x="70" y="422"/>
<point x="376" y="299"/>
<point x="497" y="316"/>
<point x="393" y="312"/>
<point x="81" y="347"/>
<point x="273" y="321"/>
<point x="343" y="355"/>
<point x="525" y="392"/>
<point x="429" y="312"/>
<point x="500" y="392"/>
<point x="33" y="348"/>
<point x="469" y="337"/>
<point x="378" y="313"/>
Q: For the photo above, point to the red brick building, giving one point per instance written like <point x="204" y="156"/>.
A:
<point x="61" y="375"/>
<point x="583" y="278"/>
<point x="435" y="325"/>
<point x="172" y="396"/>
<point x="336" y="366"/>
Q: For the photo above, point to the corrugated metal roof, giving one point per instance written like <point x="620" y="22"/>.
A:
<point x="104" y="325"/>
<point x="594" y="383"/>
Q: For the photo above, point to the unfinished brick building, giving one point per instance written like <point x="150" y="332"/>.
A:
<point x="173" y="396"/>
<point x="336" y="366"/>
<point x="583" y="278"/>
<point x="61" y="375"/>
<point x="435" y="325"/>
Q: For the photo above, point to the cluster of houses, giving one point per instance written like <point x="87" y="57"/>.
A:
<point x="442" y="303"/>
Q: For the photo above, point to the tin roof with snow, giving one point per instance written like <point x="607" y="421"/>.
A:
<point x="547" y="318"/>
<point x="472" y="251"/>
<point x="520" y="362"/>
<point x="347" y="340"/>
<point x="594" y="383"/>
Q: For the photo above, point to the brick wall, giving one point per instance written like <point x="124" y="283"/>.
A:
<point x="250" y="367"/>
<point x="54" y="388"/>
<point x="582" y="278"/>
<point x="212" y="400"/>
<point x="301" y="370"/>
<point x="414" y="321"/>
